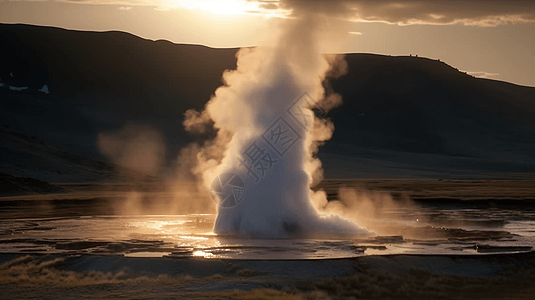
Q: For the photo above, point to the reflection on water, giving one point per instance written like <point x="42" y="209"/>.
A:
<point x="459" y="231"/>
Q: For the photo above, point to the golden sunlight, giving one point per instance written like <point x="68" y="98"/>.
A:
<point x="224" y="7"/>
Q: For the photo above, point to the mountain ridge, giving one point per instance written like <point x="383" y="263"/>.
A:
<point x="394" y="107"/>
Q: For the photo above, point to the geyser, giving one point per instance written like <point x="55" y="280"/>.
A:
<point x="267" y="137"/>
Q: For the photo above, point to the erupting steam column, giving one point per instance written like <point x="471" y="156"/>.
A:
<point x="268" y="133"/>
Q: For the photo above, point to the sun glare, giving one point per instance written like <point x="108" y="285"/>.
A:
<point x="223" y="7"/>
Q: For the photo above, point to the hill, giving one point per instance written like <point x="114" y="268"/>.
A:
<point x="27" y="157"/>
<point x="401" y="116"/>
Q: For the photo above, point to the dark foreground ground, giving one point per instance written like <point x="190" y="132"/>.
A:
<point x="84" y="199"/>
<point x="372" y="277"/>
<point x="483" y="276"/>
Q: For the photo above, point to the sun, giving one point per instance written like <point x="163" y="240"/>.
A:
<point x="223" y="7"/>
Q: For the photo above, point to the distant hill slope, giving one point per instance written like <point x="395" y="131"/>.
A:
<point x="98" y="81"/>
<point x="14" y="185"/>
<point x="407" y="105"/>
<point x="157" y="76"/>
<point x="399" y="113"/>
<point x="26" y="157"/>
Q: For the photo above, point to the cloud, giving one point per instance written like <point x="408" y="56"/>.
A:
<point x="355" y="33"/>
<point x="269" y="4"/>
<point x="401" y="12"/>
<point x="482" y="74"/>
<point x="125" y="7"/>
<point x="406" y="12"/>
<point x="125" y="3"/>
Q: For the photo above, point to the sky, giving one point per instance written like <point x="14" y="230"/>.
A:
<point x="486" y="38"/>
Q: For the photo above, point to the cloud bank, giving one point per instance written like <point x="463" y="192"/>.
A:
<point x="400" y="12"/>
<point x="406" y="12"/>
<point x="483" y="74"/>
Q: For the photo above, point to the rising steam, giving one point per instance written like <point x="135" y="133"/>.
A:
<point x="251" y="106"/>
<point x="139" y="148"/>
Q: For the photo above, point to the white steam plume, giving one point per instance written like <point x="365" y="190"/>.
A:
<point x="252" y="110"/>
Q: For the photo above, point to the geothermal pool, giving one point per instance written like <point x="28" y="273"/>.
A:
<point x="449" y="231"/>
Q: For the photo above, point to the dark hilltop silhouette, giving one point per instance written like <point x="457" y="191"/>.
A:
<point x="401" y="116"/>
